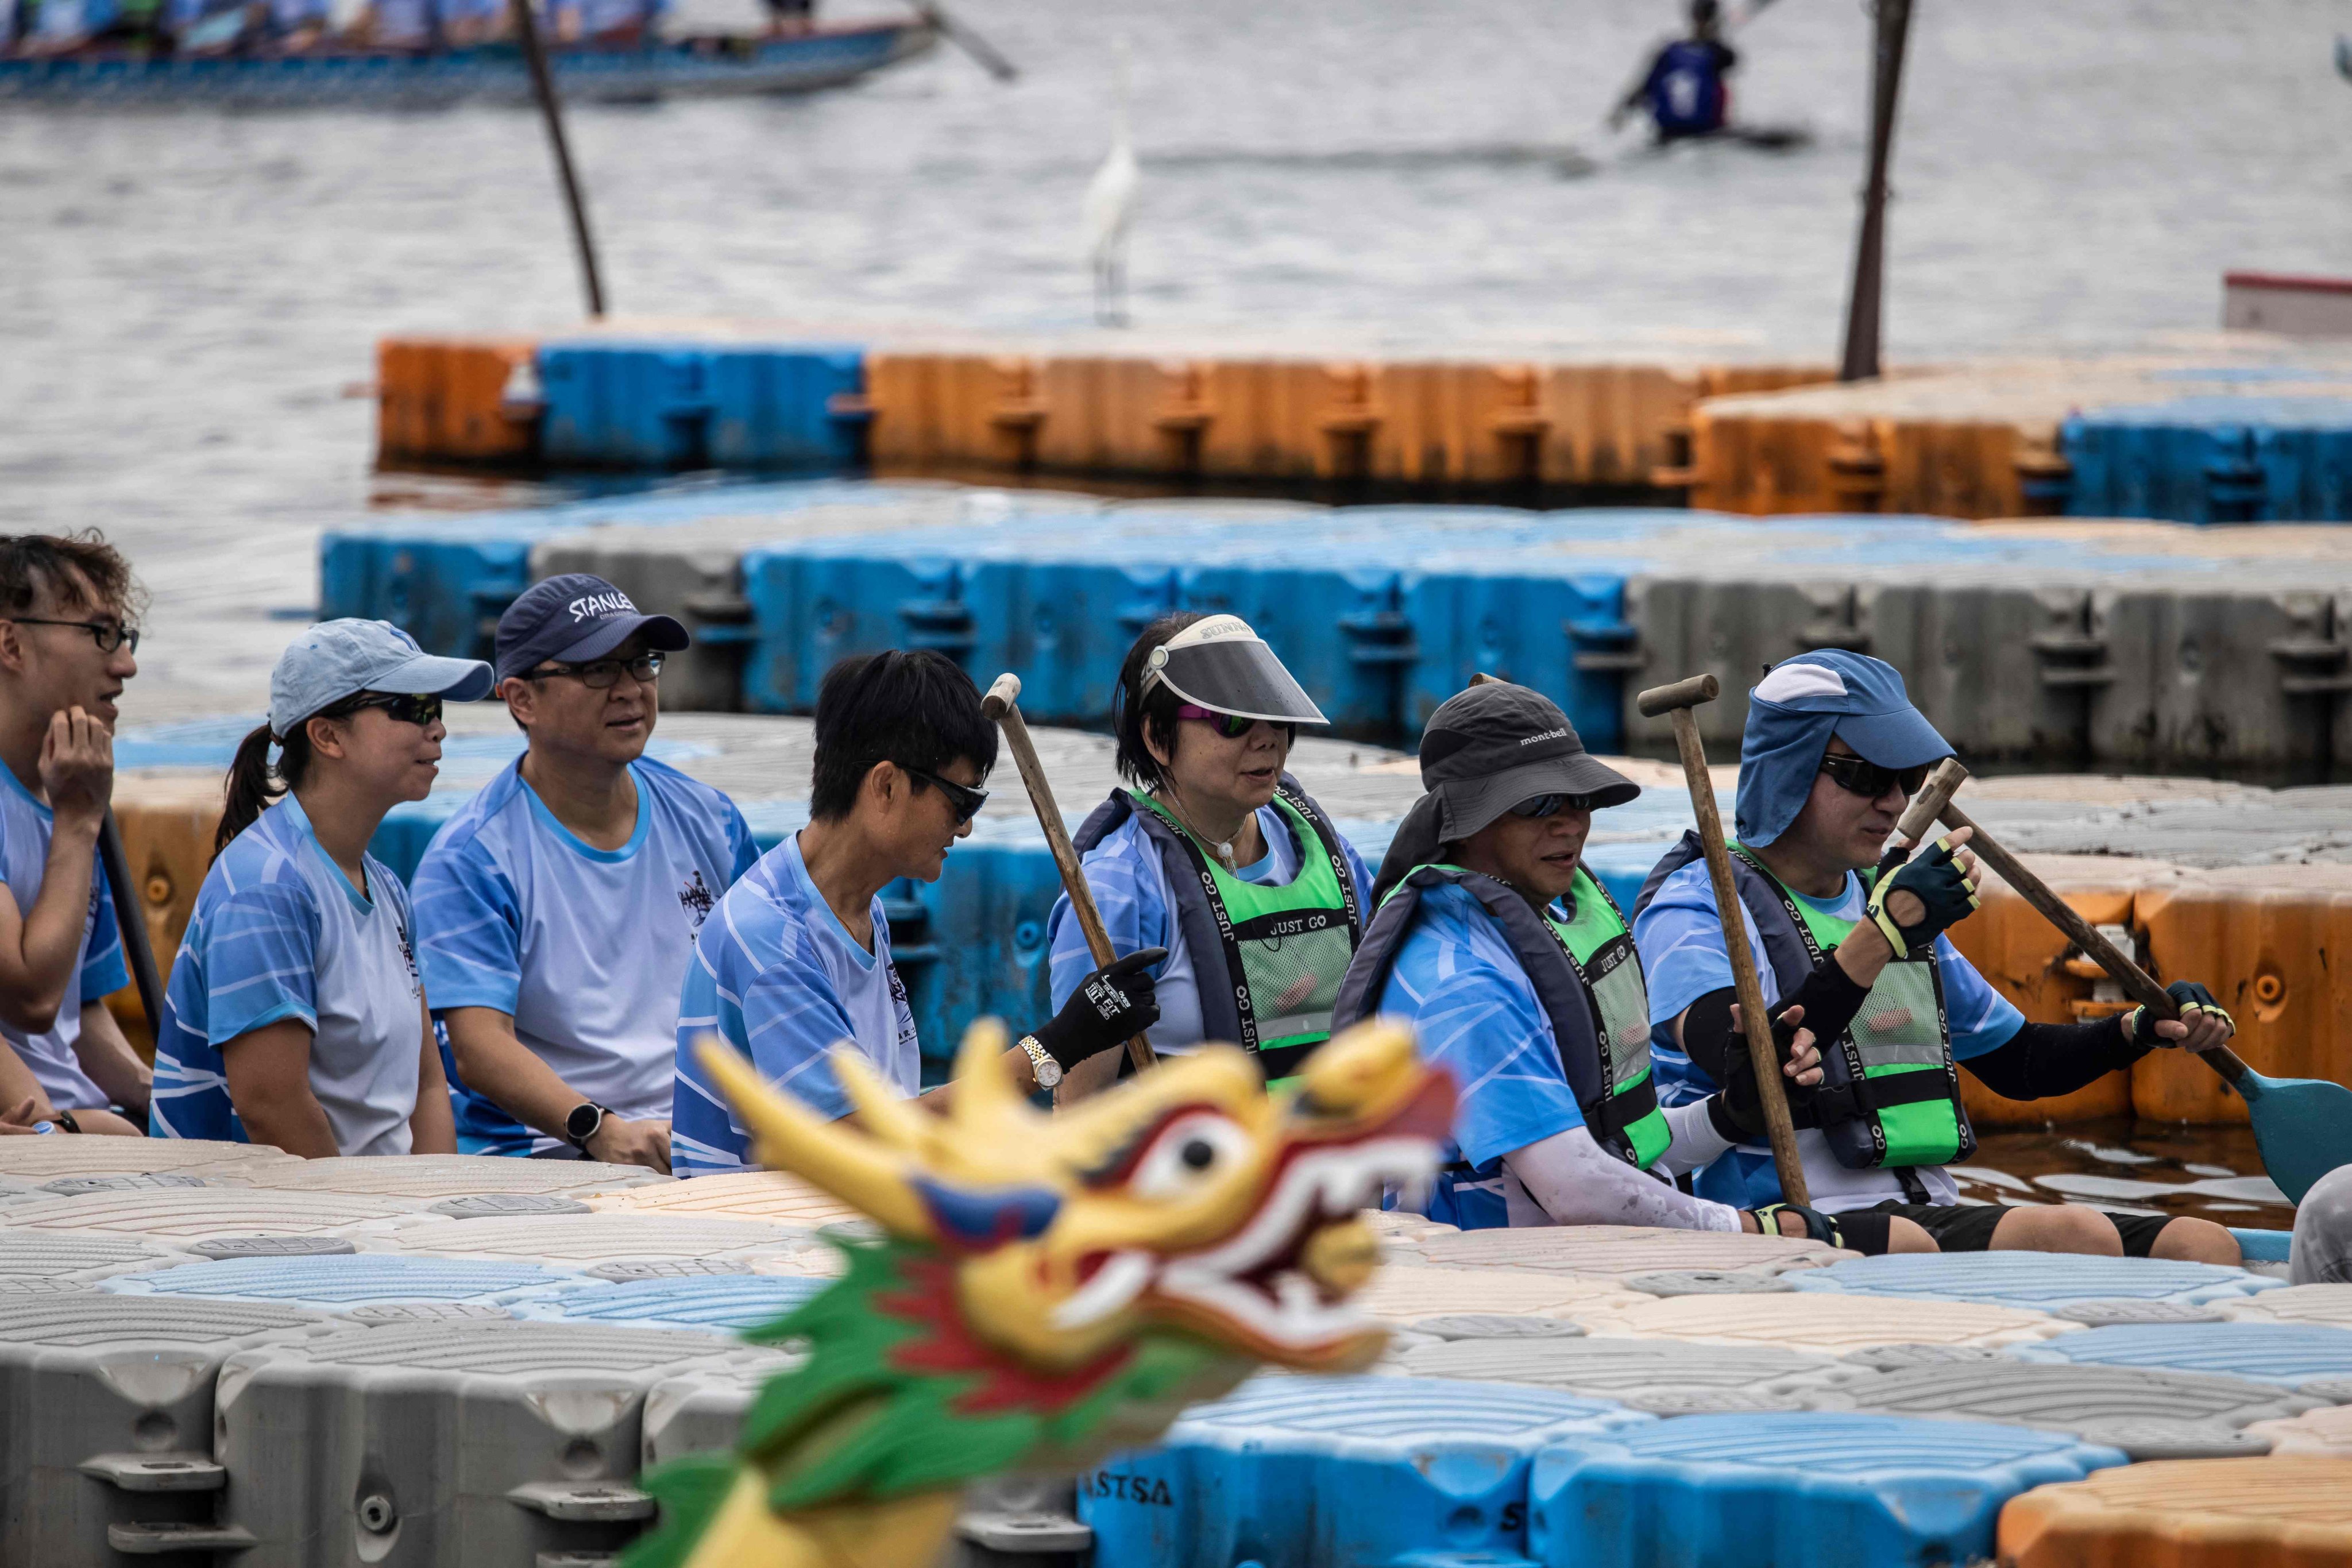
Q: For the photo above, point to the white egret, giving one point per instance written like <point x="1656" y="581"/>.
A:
<point x="1110" y="205"/>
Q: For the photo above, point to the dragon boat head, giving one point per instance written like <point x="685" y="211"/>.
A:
<point x="1189" y="1200"/>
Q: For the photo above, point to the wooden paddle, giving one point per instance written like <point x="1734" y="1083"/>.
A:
<point x="2303" y="1126"/>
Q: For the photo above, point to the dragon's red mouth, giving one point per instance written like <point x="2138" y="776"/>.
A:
<point x="1255" y="1289"/>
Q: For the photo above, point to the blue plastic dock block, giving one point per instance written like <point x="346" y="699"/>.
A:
<point x="1361" y="1471"/>
<point x="2213" y="459"/>
<point x="735" y="1302"/>
<point x="339" y="1283"/>
<point x="2264" y="1245"/>
<point x="2042" y="1279"/>
<point x="616" y="404"/>
<point x="443" y="584"/>
<point x="2289" y="1353"/>
<point x="1566" y="636"/>
<point x="1772" y="1489"/>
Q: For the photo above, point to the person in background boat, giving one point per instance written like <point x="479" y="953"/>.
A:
<point x="795" y="961"/>
<point x="557" y="909"/>
<point x="469" y="24"/>
<point x="791" y="18"/>
<point x="617" y="23"/>
<point x="1831" y="753"/>
<point x="294" y="1015"/>
<point x="403" y="25"/>
<point x="1516" y="969"/>
<point x="1214" y="854"/>
<point x="67" y="609"/>
<point x="1684" y="90"/>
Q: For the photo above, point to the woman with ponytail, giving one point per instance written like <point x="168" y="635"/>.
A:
<point x="295" y="1015"/>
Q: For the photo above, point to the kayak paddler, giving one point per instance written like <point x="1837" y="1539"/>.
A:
<point x="1518" y="975"/>
<point x="1684" y="90"/>
<point x="1831" y="753"/>
<point x="1213" y="852"/>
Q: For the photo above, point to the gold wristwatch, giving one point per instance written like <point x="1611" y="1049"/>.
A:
<point x="1044" y="1068"/>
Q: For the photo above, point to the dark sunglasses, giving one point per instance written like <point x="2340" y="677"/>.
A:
<point x="1546" y="805"/>
<point x="1232" y="726"/>
<point x="1856" y="776"/>
<point x="604" y="674"/>
<point x="105" y="634"/>
<point x="419" y="709"/>
<point x="962" y="799"/>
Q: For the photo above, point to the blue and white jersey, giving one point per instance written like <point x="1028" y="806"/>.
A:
<point x="1476" y="1014"/>
<point x="402" y="24"/>
<point x="279" y="932"/>
<point x="777" y="975"/>
<point x="24" y="825"/>
<point x="584" y="948"/>
<point x="1681" y="939"/>
<point x="1129" y="882"/>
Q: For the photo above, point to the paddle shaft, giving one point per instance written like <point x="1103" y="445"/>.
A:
<point x="1002" y="704"/>
<point x="2137" y="982"/>
<point x="1756" y="1023"/>
<point x="543" y="86"/>
<point x="971" y="43"/>
<point x="128" y="904"/>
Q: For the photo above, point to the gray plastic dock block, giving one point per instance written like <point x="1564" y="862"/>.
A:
<point x="1491" y="1326"/>
<point x="1706" y="1282"/>
<point x="700" y="1411"/>
<point x="587" y="1240"/>
<point x="444" y="1445"/>
<point x="106" y="1417"/>
<point x="2149" y="1413"/>
<point x="1639" y="1372"/>
<point x="55" y="1255"/>
<point x="2047" y="1280"/>
<point x="188" y="1215"/>
<point x="429" y="1178"/>
<point x="1615" y="1251"/>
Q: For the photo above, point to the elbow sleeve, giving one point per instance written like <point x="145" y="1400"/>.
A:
<point x="2043" y="1060"/>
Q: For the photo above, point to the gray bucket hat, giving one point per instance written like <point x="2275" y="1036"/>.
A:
<point x="1487" y="749"/>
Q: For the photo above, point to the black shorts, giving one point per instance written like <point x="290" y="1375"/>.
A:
<point x="1969" y="1227"/>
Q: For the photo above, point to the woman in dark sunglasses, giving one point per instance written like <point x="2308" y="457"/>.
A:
<point x="294" y="1014"/>
<point x="1214" y="852"/>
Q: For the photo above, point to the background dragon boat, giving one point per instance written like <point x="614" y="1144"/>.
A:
<point x="719" y="65"/>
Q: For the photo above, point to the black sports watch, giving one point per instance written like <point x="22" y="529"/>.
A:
<point x="587" y="1118"/>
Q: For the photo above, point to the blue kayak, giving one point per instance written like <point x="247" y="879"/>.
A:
<point x="692" y="68"/>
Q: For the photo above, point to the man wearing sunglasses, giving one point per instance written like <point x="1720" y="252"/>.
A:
<point x="66" y="651"/>
<point x="1832" y="753"/>
<point x="1516" y="970"/>
<point x="559" y="906"/>
<point x="796" y="960"/>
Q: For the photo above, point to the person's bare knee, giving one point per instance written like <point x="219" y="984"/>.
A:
<point x="2189" y="1240"/>
<point x="1908" y="1235"/>
<point x="2057" y="1227"/>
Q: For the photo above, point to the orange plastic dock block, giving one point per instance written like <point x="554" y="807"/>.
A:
<point x="2286" y="1511"/>
<point x="444" y="400"/>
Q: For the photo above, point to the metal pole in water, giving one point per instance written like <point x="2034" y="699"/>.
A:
<point x="1893" y="19"/>
<point x="542" y="84"/>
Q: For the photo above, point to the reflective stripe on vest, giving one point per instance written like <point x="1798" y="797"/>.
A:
<point x="1890" y="1095"/>
<point x="1285" y="946"/>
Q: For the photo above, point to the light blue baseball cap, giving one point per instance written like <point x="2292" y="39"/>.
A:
<point x="335" y="659"/>
<point x="1794" y="711"/>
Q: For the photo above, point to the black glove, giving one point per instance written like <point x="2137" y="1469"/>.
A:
<point x="1738" y="1110"/>
<point x="1819" y="1227"/>
<point x="1937" y="883"/>
<point x="2188" y="996"/>
<point x="1111" y="1007"/>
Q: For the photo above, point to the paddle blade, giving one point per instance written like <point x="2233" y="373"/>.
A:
<point x="2303" y="1127"/>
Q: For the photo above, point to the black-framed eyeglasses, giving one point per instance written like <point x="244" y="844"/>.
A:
<point x="962" y="799"/>
<point x="1858" y="775"/>
<point x="420" y="709"/>
<point x="106" y="635"/>
<point x="604" y="674"/>
<point x="1548" y="805"/>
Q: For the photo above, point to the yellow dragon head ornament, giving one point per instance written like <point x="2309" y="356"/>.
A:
<point x="1051" y="1288"/>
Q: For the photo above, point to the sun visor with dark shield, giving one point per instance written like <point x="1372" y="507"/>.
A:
<point x="1220" y="663"/>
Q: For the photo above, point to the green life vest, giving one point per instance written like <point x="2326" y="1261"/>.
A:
<point x="1586" y="979"/>
<point x="1285" y="946"/>
<point x="1890" y="1094"/>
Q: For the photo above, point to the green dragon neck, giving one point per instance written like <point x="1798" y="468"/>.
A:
<point x="899" y="1396"/>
